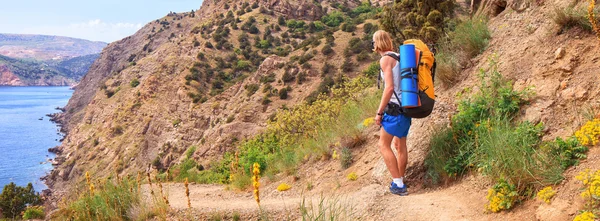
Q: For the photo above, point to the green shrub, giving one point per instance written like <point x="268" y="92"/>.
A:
<point x="283" y="93"/>
<point x="300" y="78"/>
<point x="218" y="173"/>
<point x="134" y="83"/>
<point x="327" y="50"/>
<point x="373" y="70"/>
<point x="448" y="64"/>
<point x="295" y="24"/>
<point x="348" y="27"/>
<point x="370" y="28"/>
<point x="266" y="100"/>
<point x="485" y="122"/>
<point x="15" y="199"/>
<point x="269" y="78"/>
<point x="176" y="122"/>
<point x="346" y="158"/>
<point x="472" y="36"/>
<point x="347" y="66"/>
<point x="251" y="89"/>
<point x="363" y="56"/>
<point x="34" y="212"/>
<point x="568" y="151"/>
<point x="333" y="19"/>
<point x="230" y="119"/>
<point x="112" y="200"/>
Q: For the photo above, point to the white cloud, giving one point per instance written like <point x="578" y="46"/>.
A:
<point x="96" y="30"/>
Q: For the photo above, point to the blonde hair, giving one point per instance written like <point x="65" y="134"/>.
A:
<point x="383" y="41"/>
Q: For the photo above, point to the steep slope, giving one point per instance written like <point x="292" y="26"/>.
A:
<point x="44" y="47"/>
<point x="197" y="79"/>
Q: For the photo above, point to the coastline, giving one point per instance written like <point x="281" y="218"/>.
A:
<point x="48" y="194"/>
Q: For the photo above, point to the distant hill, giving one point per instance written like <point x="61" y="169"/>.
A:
<point x="44" y="47"/>
<point x="19" y="72"/>
<point x="44" y="60"/>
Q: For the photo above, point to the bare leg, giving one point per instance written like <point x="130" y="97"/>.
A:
<point x="385" y="142"/>
<point x="400" y="144"/>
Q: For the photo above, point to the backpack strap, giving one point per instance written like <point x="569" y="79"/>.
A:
<point x="397" y="58"/>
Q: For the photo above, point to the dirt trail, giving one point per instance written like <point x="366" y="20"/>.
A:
<point x="463" y="200"/>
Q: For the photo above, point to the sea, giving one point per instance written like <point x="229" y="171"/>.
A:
<point x="26" y="133"/>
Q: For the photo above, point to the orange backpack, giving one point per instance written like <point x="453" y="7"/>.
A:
<point x="426" y="75"/>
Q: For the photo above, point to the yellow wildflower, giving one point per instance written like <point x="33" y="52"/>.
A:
<point x="352" y="176"/>
<point x="368" y="122"/>
<point x="501" y="197"/>
<point x="283" y="187"/>
<point x="334" y="155"/>
<point x="586" y="216"/>
<point x="588" y="134"/>
<point x="255" y="181"/>
<point x="546" y="194"/>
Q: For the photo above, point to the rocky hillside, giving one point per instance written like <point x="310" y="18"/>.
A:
<point x="209" y="79"/>
<point x="44" y="47"/>
<point x="18" y="72"/>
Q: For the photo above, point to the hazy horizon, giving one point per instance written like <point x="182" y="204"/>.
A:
<point x="105" y="21"/>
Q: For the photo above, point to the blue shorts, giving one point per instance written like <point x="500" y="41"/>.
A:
<point x="396" y="125"/>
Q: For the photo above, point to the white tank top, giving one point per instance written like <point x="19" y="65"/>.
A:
<point x="397" y="78"/>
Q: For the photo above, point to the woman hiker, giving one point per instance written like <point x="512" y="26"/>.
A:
<point x="395" y="125"/>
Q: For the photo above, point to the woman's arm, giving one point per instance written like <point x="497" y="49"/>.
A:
<point x="387" y="64"/>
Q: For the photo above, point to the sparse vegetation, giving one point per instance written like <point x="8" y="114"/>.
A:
<point x="570" y="17"/>
<point x="424" y="21"/>
<point x="334" y="208"/>
<point x="484" y="122"/>
<point x="134" y="83"/>
<point x="251" y="89"/>
<point x="346" y="158"/>
<point x="112" y="200"/>
<point x="472" y="36"/>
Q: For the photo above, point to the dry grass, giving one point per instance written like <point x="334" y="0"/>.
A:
<point x="571" y="17"/>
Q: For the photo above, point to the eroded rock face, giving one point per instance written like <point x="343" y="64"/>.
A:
<point x="7" y="78"/>
<point x="297" y="10"/>
<point x="495" y="7"/>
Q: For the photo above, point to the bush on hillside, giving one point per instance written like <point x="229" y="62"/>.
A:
<point x="471" y="36"/>
<point x="570" y="17"/>
<point x="15" y="199"/>
<point x="373" y="70"/>
<point x="283" y="93"/>
<point x="251" y="89"/>
<point x="34" y="212"/>
<point x="327" y="69"/>
<point x="425" y="21"/>
<point x="348" y="26"/>
<point x="333" y="19"/>
<point x="134" y="83"/>
<point x="486" y="121"/>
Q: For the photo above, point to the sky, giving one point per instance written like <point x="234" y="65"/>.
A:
<point x="96" y="20"/>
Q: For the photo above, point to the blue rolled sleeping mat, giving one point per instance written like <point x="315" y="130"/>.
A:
<point x="408" y="71"/>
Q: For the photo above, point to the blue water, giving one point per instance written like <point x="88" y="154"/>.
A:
<point x="24" y="139"/>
